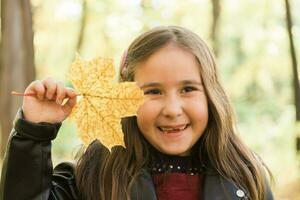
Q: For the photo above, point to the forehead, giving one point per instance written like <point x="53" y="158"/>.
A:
<point x="169" y="64"/>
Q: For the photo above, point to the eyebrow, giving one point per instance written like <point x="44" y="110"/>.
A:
<point x="190" y="82"/>
<point x="183" y="82"/>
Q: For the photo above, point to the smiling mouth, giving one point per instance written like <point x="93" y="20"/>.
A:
<point x="175" y="129"/>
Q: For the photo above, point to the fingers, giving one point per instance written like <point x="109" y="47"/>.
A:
<point x="51" y="89"/>
<point x="60" y="93"/>
<point x="71" y="92"/>
<point x="38" y="88"/>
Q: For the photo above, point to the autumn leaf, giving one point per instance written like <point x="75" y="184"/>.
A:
<point x="103" y="102"/>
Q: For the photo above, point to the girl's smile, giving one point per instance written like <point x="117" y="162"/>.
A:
<point x="173" y="132"/>
<point x="173" y="128"/>
<point x="175" y="112"/>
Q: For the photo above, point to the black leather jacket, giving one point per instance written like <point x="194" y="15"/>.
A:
<point x="27" y="172"/>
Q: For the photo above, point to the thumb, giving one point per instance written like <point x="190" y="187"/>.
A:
<point x="69" y="105"/>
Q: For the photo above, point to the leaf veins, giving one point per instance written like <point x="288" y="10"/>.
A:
<point x="103" y="103"/>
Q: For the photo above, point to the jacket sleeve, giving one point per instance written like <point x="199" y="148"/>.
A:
<point x="27" y="171"/>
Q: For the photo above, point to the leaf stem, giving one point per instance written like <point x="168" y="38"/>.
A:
<point x="28" y="94"/>
<point x="22" y="94"/>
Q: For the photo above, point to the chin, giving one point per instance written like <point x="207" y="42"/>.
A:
<point x="175" y="152"/>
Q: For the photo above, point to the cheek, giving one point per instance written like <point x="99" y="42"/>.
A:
<point x="198" y="110"/>
<point x="147" y="114"/>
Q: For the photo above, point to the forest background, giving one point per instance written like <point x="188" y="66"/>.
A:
<point x="255" y="53"/>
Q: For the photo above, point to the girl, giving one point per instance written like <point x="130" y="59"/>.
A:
<point x="181" y="145"/>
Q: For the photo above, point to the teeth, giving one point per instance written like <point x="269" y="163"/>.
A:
<point x="165" y="129"/>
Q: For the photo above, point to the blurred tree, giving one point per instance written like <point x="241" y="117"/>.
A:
<point x="17" y="68"/>
<point x="216" y="8"/>
<point x="296" y="87"/>
<point x="82" y="26"/>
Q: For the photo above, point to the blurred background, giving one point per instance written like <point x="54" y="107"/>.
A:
<point x="256" y="42"/>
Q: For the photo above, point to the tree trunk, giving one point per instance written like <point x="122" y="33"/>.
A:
<point x="17" y="68"/>
<point x="293" y="59"/>
<point x="216" y="8"/>
<point x="82" y="26"/>
<point x="289" y="23"/>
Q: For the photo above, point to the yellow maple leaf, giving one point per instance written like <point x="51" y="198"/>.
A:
<point x="103" y="102"/>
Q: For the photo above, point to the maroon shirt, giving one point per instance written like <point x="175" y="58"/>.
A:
<point x="177" y="186"/>
<point x="176" y="177"/>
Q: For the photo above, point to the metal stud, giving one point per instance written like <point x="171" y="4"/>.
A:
<point x="240" y="193"/>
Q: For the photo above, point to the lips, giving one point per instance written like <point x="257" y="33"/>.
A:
<point x="173" y="129"/>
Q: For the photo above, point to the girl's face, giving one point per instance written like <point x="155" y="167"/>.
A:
<point x="175" y="113"/>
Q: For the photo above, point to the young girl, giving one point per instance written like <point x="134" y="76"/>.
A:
<point x="181" y="145"/>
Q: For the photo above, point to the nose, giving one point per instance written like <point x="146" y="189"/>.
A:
<point x="172" y="107"/>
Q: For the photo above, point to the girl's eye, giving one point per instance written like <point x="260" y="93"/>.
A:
<point x="188" y="89"/>
<point x="152" y="91"/>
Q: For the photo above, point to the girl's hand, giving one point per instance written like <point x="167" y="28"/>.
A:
<point x="46" y="105"/>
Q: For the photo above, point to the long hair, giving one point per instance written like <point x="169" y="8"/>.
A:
<point x="112" y="175"/>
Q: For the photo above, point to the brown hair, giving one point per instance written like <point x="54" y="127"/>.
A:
<point x="111" y="175"/>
